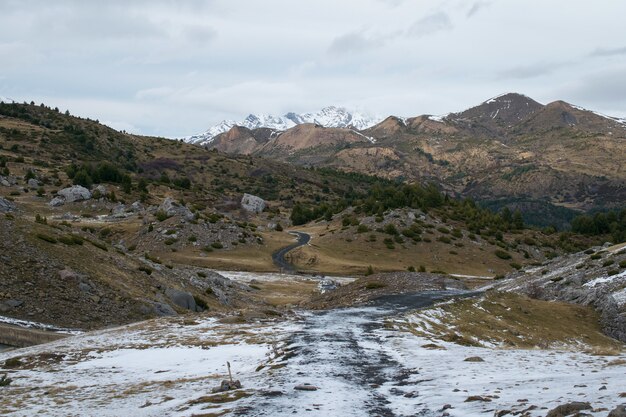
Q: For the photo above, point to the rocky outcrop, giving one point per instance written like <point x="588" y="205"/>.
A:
<point x="6" y="206"/>
<point x="163" y="309"/>
<point x="619" y="411"/>
<point x="8" y="181"/>
<point x="70" y="195"/>
<point x="252" y="203"/>
<point x="596" y="278"/>
<point x="171" y="208"/>
<point x="568" y="409"/>
<point x="181" y="298"/>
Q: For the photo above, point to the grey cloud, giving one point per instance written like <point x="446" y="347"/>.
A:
<point x="433" y="23"/>
<point x="476" y="7"/>
<point x="609" y="52"/>
<point x="603" y="87"/>
<point x="353" y="43"/>
<point x="531" y="71"/>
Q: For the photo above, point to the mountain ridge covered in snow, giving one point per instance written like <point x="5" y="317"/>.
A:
<point x="331" y="116"/>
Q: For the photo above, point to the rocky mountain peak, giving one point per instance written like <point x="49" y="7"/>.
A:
<point x="503" y="110"/>
<point x="330" y="116"/>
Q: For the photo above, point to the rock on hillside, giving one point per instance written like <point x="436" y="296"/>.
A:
<point x="594" y="278"/>
<point x="6" y="206"/>
<point x="252" y="203"/>
<point x="70" y="195"/>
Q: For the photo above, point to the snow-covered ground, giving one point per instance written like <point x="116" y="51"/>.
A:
<point x="358" y="358"/>
<point x="246" y="277"/>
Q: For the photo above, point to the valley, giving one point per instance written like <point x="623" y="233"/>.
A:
<point x="153" y="263"/>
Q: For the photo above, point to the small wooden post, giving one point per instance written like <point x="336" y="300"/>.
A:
<point x="229" y="374"/>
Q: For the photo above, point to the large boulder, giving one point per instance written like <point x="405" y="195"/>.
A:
<point x="163" y="310"/>
<point x="169" y="207"/>
<point x="181" y="298"/>
<point x="252" y="203"/>
<point x="56" y="202"/>
<point x="619" y="411"/>
<point x="6" y="206"/>
<point x="74" y="193"/>
<point x="33" y="183"/>
<point x="569" y="409"/>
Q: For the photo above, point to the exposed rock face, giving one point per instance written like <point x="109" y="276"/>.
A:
<point x="70" y="195"/>
<point x="163" y="309"/>
<point x="101" y="189"/>
<point x="181" y="298"/>
<point x="568" y="409"/>
<point x="598" y="282"/>
<point x="619" y="411"/>
<point x="8" y="181"/>
<point x="169" y="207"/>
<point x="6" y="206"/>
<point x="252" y="203"/>
<point x="57" y="201"/>
<point x="33" y="183"/>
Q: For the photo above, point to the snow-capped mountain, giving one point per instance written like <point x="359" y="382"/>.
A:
<point x="330" y="116"/>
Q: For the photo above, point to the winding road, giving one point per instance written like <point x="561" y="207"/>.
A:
<point x="279" y="256"/>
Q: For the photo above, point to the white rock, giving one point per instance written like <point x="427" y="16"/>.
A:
<point x="57" y="201"/>
<point x="75" y="193"/>
<point x="252" y="203"/>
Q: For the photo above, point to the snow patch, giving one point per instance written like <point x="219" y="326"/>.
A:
<point x="604" y="280"/>
<point x="331" y="116"/>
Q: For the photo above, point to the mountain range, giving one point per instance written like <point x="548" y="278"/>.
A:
<point x="330" y="116"/>
<point x="510" y="150"/>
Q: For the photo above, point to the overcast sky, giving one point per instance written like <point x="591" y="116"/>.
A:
<point x="173" y="68"/>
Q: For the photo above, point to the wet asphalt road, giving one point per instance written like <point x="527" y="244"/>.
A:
<point x="279" y="256"/>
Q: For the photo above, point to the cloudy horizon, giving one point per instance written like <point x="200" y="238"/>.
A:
<point x="171" y="68"/>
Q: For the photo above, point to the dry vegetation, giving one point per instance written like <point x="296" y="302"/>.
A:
<point x="510" y="320"/>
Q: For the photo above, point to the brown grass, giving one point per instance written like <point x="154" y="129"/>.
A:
<point x="516" y="321"/>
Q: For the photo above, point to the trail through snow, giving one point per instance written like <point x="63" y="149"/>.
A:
<point x="360" y="360"/>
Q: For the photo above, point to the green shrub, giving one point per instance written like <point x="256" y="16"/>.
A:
<point x="145" y="269"/>
<point x="362" y="229"/>
<point x="608" y="262"/>
<point x="595" y="256"/>
<point x="502" y="254"/>
<point x="161" y="215"/>
<point x="612" y="272"/>
<point x="374" y="285"/>
<point x="217" y="245"/>
<point x="170" y="241"/>
<point x="411" y="268"/>
<point x="12" y="363"/>
<point x="390" y="229"/>
<point x="200" y="302"/>
<point x="515" y="265"/>
<point x="444" y="239"/>
<point x="622" y="264"/>
<point x="46" y="238"/>
<point x="71" y="240"/>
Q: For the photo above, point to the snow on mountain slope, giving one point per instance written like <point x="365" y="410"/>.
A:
<point x="331" y="116"/>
